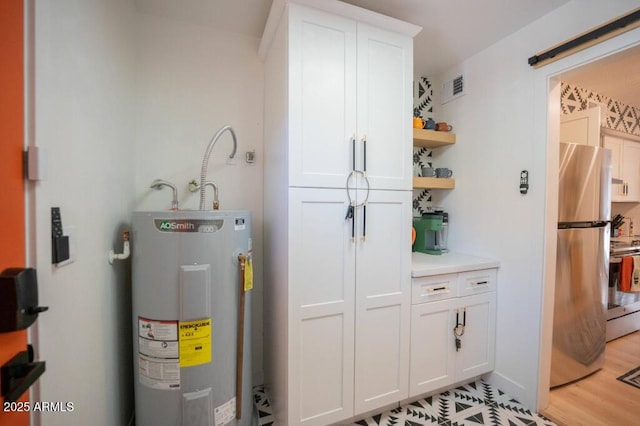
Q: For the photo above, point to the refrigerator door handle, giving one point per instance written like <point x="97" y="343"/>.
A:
<point x="581" y="225"/>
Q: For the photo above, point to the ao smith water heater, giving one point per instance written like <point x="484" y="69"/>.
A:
<point x="187" y="294"/>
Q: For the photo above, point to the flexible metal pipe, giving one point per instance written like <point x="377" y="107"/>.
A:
<point x="207" y="154"/>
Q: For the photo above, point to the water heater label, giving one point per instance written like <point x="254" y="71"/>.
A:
<point x="158" y="354"/>
<point x="195" y="342"/>
<point x="188" y="225"/>
<point x="239" y="224"/>
<point x="225" y="413"/>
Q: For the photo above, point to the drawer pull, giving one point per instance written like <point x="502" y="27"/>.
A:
<point x="481" y="283"/>
<point x="442" y="289"/>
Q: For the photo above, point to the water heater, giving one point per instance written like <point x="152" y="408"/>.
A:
<point x="187" y="295"/>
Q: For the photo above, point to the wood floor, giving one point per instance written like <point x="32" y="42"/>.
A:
<point x="600" y="399"/>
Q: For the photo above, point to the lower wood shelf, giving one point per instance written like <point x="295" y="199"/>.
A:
<point x="434" y="183"/>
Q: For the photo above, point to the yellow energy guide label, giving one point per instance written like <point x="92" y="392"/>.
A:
<point x="195" y="342"/>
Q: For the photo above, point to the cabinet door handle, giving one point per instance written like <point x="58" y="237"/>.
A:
<point x="464" y="318"/>
<point x="429" y="291"/>
<point x="364" y="154"/>
<point x="364" y="222"/>
<point x="353" y="153"/>
<point x="476" y="283"/>
<point x="353" y="225"/>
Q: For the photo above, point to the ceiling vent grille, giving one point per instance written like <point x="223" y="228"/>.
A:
<point x="452" y="89"/>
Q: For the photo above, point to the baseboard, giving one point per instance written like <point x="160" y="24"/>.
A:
<point x="508" y="386"/>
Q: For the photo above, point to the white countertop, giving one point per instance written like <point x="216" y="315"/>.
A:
<point x="423" y="265"/>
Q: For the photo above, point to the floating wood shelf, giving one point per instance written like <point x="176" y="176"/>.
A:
<point x="432" y="139"/>
<point x="433" y="183"/>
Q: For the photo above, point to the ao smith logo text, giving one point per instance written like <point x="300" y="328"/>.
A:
<point x="167" y="225"/>
<point x="187" y="225"/>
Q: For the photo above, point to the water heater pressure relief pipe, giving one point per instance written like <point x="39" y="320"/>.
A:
<point x="125" y="250"/>
<point x="242" y="259"/>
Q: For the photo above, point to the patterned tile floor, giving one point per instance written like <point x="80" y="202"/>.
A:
<point x="476" y="403"/>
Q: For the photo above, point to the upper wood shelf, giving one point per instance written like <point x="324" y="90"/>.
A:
<point x="432" y="139"/>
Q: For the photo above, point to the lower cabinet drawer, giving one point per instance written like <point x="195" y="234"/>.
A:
<point x="474" y="282"/>
<point x="435" y="287"/>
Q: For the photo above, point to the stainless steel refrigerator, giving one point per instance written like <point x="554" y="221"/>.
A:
<point x="582" y="264"/>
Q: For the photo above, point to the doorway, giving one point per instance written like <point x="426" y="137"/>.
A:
<point x="602" y="75"/>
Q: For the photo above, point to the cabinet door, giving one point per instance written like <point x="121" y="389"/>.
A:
<point x="631" y="170"/>
<point x="581" y="127"/>
<point x="625" y="160"/>
<point x="385" y="101"/>
<point x="383" y="293"/>
<point x="615" y="145"/>
<point x="322" y="95"/>
<point x="321" y="333"/>
<point x="432" y="346"/>
<point x="477" y="353"/>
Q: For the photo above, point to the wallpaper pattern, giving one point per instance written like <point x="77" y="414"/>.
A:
<point x="615" y="115"/>
<point x="422" y="157"/>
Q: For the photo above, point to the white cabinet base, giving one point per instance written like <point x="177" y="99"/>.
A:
<point x="435" y="362"/>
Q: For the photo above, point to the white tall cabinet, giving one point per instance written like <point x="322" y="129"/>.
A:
<point x="338" y="109"/>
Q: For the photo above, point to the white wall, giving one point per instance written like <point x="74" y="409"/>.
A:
<point x="84" y="119"/>
<point x="191" y="80"/>
<point x="501" y="126"/>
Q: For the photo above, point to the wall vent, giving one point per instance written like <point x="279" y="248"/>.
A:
<point x="452" y="89"/>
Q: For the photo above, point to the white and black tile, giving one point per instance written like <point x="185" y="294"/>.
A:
<point x="263" y="407"/>
<point x="421" y="202"/>
<point x="615" y="115"/>
<point x="422" y="157"/>
<point x="423" y="98"/>
<point x="476" y="403"/>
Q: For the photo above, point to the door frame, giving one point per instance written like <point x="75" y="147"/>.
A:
<point x="547" y="110"/>
<point x="12" y="115"/>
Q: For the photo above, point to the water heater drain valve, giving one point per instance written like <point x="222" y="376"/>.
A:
<point x="125" y="250"/>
